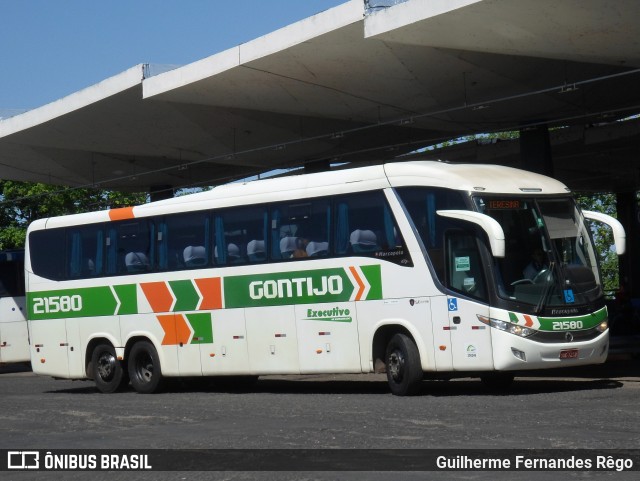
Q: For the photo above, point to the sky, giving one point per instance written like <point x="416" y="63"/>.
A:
<point x="52" y="48"/>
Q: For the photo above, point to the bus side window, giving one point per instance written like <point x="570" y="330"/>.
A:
<point x="240" y="235"/>
<point x="11" y="273"/>
<point x="130" y="244"/>
<point x="300" y="229"/>
<point x="85" y="250"/>
<point x="422" y="204"/>
<point x="184" y="241"/>
<point x="464" y="266"/>
<point x="47" y="250"/>
<point x="365" y="227"/>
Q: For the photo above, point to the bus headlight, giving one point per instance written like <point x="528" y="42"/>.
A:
<point x="603" y="326"/>
<point x="506" y="326"/>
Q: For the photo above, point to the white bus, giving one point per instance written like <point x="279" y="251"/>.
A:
<point x="415" y="269"/>
<point x="14" y="339"/>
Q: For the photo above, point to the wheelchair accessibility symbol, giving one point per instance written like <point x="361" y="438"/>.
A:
<point x="453" y="304"/>
<point x="569" y="297"/>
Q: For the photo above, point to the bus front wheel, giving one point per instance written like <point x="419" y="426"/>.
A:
<point x="404" y="371"/>
<point x="107" y="370"/>
<point x="144" y="368"/>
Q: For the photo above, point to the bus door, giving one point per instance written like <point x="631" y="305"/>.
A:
<point x="272" y="339"/>
<point x="228" y="352"/>
<point x="470" y="339"/>
<point x="180" y="340"/>
<point x="189" y="343"/>
<point x="55" y="345"/>
<point x="441" y="325"/>
<point x="74" y="347"/>
<point x="328" y="337"/>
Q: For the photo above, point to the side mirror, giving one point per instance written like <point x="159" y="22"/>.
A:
<point x="619" y="235"/>
<point x="488" y="224"/>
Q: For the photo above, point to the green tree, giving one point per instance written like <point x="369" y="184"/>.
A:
<point x="603" y="237"/>
<point x="23" y="202"/>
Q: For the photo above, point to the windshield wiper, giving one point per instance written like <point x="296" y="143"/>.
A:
<point x="547" y="288"/>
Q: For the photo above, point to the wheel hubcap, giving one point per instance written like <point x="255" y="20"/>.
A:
<point x="145" y="368"/>
<point x="396" y="365"/>
<point x="106" y="366"/>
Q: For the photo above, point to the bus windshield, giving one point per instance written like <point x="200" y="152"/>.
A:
<point x="549" y="258"/>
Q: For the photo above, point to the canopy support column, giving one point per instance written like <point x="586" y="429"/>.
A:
<point x="535" y="150"/>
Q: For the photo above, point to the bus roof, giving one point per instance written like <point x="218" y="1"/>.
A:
<point x="489" y="178"/>
<point x="466" y="177"/>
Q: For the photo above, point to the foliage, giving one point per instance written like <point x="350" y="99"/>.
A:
<point x="23" y="202"/>
<point x="603" y="237"/>
<point x="479" y="138"/>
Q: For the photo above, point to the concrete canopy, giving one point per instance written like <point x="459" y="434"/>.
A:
<point x="352" y="85"/>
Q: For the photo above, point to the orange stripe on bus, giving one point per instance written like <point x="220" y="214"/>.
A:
<point x="211" y="290"/>
<point x="121" y="214"/>
<point x="176" y="329"/>
<point x="183" y="331"/>
<point x="159" y="296"/>
<point x="359" y="281"/>
<point x="169" y="327"/>
<point x="528" y="322"/>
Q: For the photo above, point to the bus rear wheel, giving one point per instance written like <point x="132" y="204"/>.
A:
<point x="404" y="370"/>
<point x="144" y="368"/>
<point x="107" y="370"/>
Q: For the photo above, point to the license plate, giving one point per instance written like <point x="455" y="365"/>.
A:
<point x="569" y="354"/>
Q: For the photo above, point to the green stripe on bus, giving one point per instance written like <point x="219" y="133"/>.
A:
<point x="80" y="302"/>
<point x="372" y="273"/>
<point x="587" y="321"/>
<point x="128" y="297"/>
<point x="187" y="297"/>
<point x="298" y="287"/>
<point x="274" y="289"/>
<point x="202" y="328"/>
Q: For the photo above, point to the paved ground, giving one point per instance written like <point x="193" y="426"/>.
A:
<point x="595" y="407"/>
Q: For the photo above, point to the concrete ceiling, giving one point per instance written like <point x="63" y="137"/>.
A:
<point x="353" y="86"/>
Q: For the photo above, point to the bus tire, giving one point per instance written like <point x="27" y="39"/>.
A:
<point x="144" y="367"/>
<point x="107" y="370"/>
<point x="404" y="370"/>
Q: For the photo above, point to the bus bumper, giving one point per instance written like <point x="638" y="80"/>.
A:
<point x="512" y="353"/>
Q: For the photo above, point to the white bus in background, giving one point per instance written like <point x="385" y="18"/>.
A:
<point x="14" y="338"/>
<point x="417" y="269"/>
